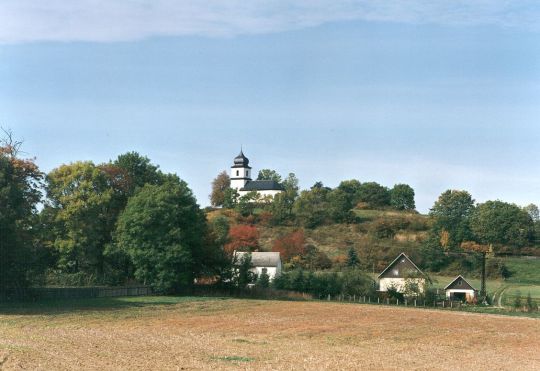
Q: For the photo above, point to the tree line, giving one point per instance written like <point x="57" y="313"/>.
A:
<point x="127" y="221"/>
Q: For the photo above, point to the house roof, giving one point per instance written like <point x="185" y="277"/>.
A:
<point x="459" y="283"/>
<point x="403" y="260"/>
<point x="262" y="185"/>
<point x="261" y="259"/>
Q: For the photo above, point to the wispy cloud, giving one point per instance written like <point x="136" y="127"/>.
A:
<point x="124" y="20"/>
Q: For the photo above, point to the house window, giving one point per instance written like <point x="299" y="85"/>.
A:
<point x="265" y="271"/>
<point x="396" y="272"/>
<point x="237" y="172"/>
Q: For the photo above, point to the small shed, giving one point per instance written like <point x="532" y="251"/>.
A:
<point x="262" y="262"/>
<point x="460" y="289"/>
<point x="400" y="272"/>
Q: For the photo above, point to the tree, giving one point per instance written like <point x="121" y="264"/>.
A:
<point x="219" y="185"/>
<point x="242" y="238"/>
<point x="311" y="207"/>
<point x="497" y="222"/>
<point x="247" y="203"/>
<point x="290" y="245"/>
<point x="339" y="207"/>
<point x="350" y="188"/>
<point x="373" y="194"/>
<point x="20" y="181"/>
<point x="80" y="200"/>
<point x="352" y="257"/>
<point x="139" y="170"/>
<point x="264" y="279"/>
<point x="402" y="197"/>
<point x="230" y="198"/>
<point x="533" y="211"/>
<point x="268" y="174"/>
<point x="162" y="229"/>
<point x="220" y="228"/>
<point x="451" y="213"/>
<point x="244" y="276"/>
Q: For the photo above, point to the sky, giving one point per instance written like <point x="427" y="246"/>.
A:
<point x="436" y="94"/>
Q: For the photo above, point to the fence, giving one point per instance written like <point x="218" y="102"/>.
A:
<point x="53" y="293"/>
<point x="383" y="300"/>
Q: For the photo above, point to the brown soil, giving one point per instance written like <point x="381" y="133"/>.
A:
<point x="245" y="334"/>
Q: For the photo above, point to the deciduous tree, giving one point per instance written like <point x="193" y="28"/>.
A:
<point x="219" y="185"/>
<point x="162" y="229"/>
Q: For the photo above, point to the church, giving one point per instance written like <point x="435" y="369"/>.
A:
<point x="241" y="179"/>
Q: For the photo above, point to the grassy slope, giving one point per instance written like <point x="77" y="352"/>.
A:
<point x="335" y="240"/>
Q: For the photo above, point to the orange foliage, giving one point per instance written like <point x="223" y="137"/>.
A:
<point x="290" y="245"/>
<point x="242" y="238"/>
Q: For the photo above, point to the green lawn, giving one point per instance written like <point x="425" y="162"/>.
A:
<point x="524" y="270"/>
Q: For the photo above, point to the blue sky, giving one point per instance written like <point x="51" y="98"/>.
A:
<point x="434" y="95"/>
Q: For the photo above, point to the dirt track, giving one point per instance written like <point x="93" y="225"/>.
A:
<point x="236" y="334"/>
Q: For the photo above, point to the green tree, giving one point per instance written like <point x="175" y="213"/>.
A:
<point x="351" y="189"/>
<point x="339" y="207"/>
<point x="373" y="194"/>
<point x="219" y="185"/>
<point x="247" y="203"/>
<point x="244" y="276"/>
<point x="220" y="228"/>
<point x="263" y="280"/>
<point x="20" y="181"/>
<point x="533" y="211"/>
<point x="139" y="170"/>
<point x="497" y="222"/>
<point x="451" y="214"/>
<point x="230" y="198"/>
<point x="402" y="197"/>
<point x="283" y="203"/>
<point x="352" y="257"/>
<point x="79" y="198"/>
<point x="162" y="229"/>
<point x="268" y="174"/>
<point x="311" y="207"/>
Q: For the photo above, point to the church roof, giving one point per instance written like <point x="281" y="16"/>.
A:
<point x="262" y="185"/>
<point x="241" y="160"/>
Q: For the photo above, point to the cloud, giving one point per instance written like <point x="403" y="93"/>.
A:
<point x="126" y="20"/>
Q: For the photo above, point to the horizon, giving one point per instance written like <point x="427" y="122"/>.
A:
<point x="437" y="96"/>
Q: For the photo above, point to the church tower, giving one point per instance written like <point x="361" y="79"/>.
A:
<point x="240" y="172"/>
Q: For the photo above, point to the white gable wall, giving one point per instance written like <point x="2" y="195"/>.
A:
<point x="399" y="283"/>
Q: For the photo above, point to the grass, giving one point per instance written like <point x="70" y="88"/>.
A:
<point x="524" y="270"/>
<point x="209" y="333"/>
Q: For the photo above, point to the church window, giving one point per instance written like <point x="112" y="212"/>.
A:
<point x="247" y="173"/>
<point x="237" y="172"/>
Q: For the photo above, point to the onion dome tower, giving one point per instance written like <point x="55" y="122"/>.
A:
<point x="240" y="171"/>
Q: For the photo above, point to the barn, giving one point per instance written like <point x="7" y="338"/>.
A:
<point x="401" y="274"/>
<point x="460" y="289"/>
<point x="262" y="262"/>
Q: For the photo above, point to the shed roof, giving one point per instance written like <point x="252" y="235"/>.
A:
<point x="260" y="259"/>
<point x="459" y="283"/>
<point x="404" y="265"/>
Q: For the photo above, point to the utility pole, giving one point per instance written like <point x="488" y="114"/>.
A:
<point x="483" y="282"/>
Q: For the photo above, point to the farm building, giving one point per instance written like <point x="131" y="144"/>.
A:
<point x="460" y="289"/>
<point x="262" y="262"/>
<point x="402" y="274"/>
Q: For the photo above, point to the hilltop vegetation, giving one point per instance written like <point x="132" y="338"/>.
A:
<point x="125" y="221"/>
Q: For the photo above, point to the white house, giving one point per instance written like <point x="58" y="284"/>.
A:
<point x="242" y="182"/>
<point x="262" y="262"/>
<point x="399" y="273"/>
<point x="460" y="289"/>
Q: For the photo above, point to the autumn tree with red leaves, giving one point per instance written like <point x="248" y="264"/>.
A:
<point x="290" y="245"/>
<point x="242" y="238"/>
